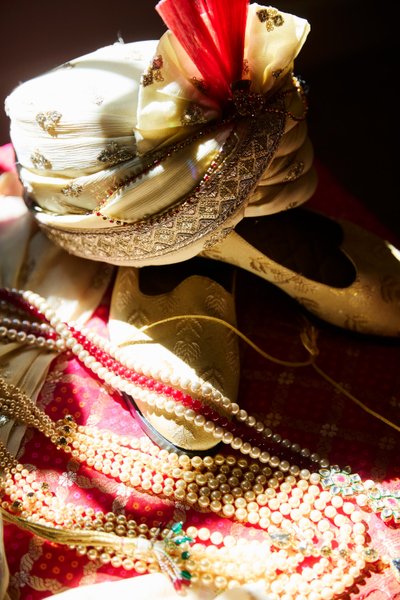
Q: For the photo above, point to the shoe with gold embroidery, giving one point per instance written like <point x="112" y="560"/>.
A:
<point x="193" y="352"/>
<point x="338" y="271"/>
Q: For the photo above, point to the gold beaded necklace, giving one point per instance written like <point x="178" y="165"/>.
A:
<point x="313" y="526"/>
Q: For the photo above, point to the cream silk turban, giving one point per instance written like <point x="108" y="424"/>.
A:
<point x="135" y="155"/>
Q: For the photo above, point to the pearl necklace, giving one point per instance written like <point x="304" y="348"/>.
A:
<point x="303" y="513"/>
<point x="302" y="520"/>
<point x="173" y="400"/>
<point x="160" y="389"/>
<point x="32" y="334"/>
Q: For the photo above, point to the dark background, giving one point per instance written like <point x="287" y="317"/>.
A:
<point x="348" y="62"/>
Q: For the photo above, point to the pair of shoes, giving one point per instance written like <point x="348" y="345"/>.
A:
<point x="186" y="349"/>
<point x="338" y="271"/>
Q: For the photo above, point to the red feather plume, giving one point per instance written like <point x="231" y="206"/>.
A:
<point x="212" y="33"/>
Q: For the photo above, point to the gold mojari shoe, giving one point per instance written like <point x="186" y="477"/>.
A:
<point x="338" y="271"/>
<point x="190" y="349"/>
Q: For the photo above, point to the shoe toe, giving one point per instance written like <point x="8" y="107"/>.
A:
<point x="374" y="298"/>
<point x="186" y="349"/>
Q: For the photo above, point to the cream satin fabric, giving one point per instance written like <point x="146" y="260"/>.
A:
<point x="163" y="104"/>
<point x="290" y="179"/>
<point x="72" y="286"/>
<point x="65" y="121"/>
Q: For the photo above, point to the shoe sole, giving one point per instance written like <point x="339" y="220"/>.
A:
<point x="156" y="437"/>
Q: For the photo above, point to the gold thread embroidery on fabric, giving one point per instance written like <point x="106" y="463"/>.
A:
<point x="153" y="73"/>
<point x="216" y="237"/>
<point x="193" y="115"/>
<point x="90" y="572"/>
<point x="113" y="154"/>
<point x="48" y="121"/>
<point x="356" y="323"/>
<point x="251" y="146"/>
<point x="246" y="102"/>
<point x="72" y="190"/>
<point x="147" y="79"/>
<point x="5" y="367"/>
<point x="39" y="161"/>
<point x="291" y="204"/>
<point x="271" y="17"/>
<point x="295" y="171"/>
<point x="276" y="74"/>
<point x="229" y="191"/>
<point x="24" y="576"/>
<point x="390" y="289"/>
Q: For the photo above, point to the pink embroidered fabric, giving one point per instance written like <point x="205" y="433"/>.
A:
<point x="296" y="403"/>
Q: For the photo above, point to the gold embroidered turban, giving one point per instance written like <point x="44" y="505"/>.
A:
<point x="147" y="153"/>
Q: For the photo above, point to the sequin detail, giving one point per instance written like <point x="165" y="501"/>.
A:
<point x="48" y="121"/>
<point x="247" y="103"/>
<point x="153" y="73"/>
<point x="271" y="17"/>
<point x="113" y="154"/>
<point x="246" y="153"/>
<point x="98" y="100"/>
<point x="72" y="190"/>
<point x="295" y="171"/>
<point x="39" y="161"/>
<point x="193" y="115"/>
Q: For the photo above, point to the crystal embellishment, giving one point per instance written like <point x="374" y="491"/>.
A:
<point x="3" y="420"/>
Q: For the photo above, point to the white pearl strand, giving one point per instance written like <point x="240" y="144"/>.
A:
<point x="229" y="562"/>
<point x="66" y="341"/>
<point x="13" y="331"/>
<point x="194" y="386"/>
<point x="313" y="583"/>
<point x="323" y="526"/>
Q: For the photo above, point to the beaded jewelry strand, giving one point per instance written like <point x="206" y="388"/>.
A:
<point x="187" y="399"/>
<point x="303" y="513"/>
<point x="303" y="521"/>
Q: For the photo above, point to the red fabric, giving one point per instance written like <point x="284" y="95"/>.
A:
<point x="198" y="42"/>
<point x="7" y="158"/>
<point x="297" y="403"/>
